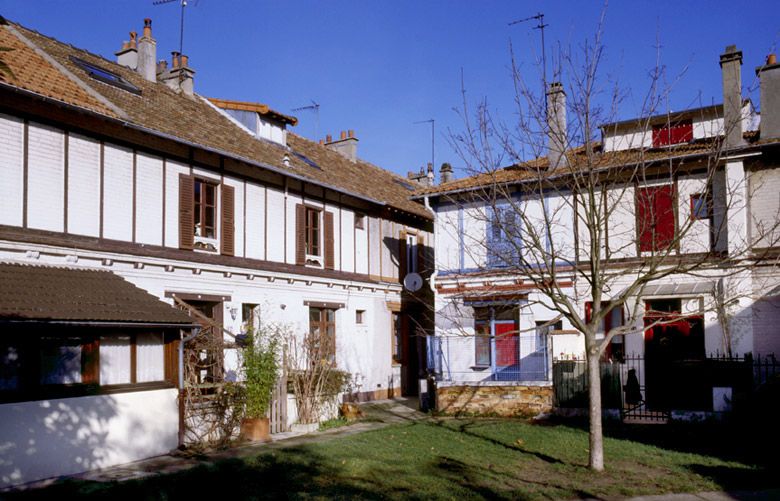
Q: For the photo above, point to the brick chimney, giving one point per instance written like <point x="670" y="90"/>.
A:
<point x="346" y="145"/>
<point x="128" y="54"/>
<point x="556" y="126"/>
<point x="445" y="173"/>
<point x="179" y="76"/>
<point x="731" y="69"/>
<point x="770" y="98"/>
<point x="423" y="177"/>
<point x="147" y="53"/>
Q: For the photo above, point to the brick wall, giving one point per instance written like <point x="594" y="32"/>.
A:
<point x="494" y="400"/>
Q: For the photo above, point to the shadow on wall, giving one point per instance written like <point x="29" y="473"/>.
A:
<point x="47" y="438"/>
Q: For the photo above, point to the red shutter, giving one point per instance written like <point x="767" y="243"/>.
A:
<point x="329" y="254"/>
<point x="186" y="212"/>
<point x="655" y="217"/>
<point x="402" y="256"/>
<point x="673" y="134"/>
<point x="227" y="223"/>
<point x="300" y="234"/>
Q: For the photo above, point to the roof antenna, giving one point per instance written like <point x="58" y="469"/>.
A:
<point x="315" y="107"/>
<point x="541" y="26"/>
<point x="431" y="121"/>
<point x="181" y="28"/>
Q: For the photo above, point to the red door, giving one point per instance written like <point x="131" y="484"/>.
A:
<point x="507" y="348"/>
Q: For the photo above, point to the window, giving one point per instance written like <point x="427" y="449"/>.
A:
<point x="482" y="343"/>
<point x="312" y="232"/>
<point x="61" y="360"/>
<point x="360" y="316"/>
<point x="655" y="217"/>
<point x="205" y="209"/>
<point x="9" y="367"/>
<point x="397" y="346"/>
<point x="250" y="317"/>
<point x="322" y="327"/>
<point x="669" y="134"/>
<point x="503" y="238"/>
<point x="360" y="221"/>
<point x="411" y="253"/>
<point x="105" y="76"/>
<point x="700" y="206"/>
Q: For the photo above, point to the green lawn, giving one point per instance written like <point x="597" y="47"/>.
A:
<point x="465" y="458"/>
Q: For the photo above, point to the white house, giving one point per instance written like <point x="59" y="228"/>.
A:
<point x="494" y="327"/>
<point x="211" y="205"/>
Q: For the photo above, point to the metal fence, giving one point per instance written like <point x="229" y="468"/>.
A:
<point x="640" y="385"/>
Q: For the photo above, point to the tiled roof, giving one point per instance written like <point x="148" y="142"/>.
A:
<point x="32" y="292"/>
<point x="263" y="109"/>
<point x="579" y="159"/>
<point x="190" y="119"/>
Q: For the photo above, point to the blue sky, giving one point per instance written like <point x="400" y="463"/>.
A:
<point x="378" y="66"/>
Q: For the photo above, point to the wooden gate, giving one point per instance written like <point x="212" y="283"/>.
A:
<point x="278" y="411"/>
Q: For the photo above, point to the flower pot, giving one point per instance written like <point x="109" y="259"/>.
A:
<point x="350" y="411"/>
<point x="256" y="429"/>
<point x="304" y="428"/>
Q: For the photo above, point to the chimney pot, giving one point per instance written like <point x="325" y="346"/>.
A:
<point x="322" y="141"/>
<point x="174" y="60"/>
<point x="147" y="28"/>
<point x="351" y="133"/>
<point x="185" y="61"/>
<point x="343" y="135"/>
<point x="771" y="59"/>
<point x="162" y="66"/>
<point x="133" y="39"/>
<point x="328" y="138"/>
<point x="445" y="173"/>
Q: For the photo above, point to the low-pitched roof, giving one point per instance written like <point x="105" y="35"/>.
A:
<point x="45" y="66"/>
<point x="48" y="293"/>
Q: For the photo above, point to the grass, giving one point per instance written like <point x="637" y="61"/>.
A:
<point x="465" y="458"/>
<point x="333" y="423"/>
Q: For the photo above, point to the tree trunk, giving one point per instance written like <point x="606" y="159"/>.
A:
<point x="596" y="437"/>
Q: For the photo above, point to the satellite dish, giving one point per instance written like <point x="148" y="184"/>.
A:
<point x="413" y="282"/>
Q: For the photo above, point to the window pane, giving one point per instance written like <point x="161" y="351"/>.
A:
<point x="209" y="222"/>
<point x="150" y="358"/>
<point x="482" y="343"/>
<point x="115" y="359"/>
<point x="209" y="189"/>
<point x="9" y="367"/>
<point x="60" y="360"/>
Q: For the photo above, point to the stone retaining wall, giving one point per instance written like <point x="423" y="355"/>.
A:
<point x="494" y="400"/>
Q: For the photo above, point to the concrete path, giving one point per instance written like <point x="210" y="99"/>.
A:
<point x="376" y="415"/>
<point x="771" y="494"/>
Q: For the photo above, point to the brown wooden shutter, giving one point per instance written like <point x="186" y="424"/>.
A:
<point x="402" y="256"/>
<point x="227" y="223"/>
<point x="330" y="261"/>
<point x="300" y="234"/>
<point x="186" y="212"/>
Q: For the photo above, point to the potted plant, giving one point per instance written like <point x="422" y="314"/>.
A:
<point x="261" y="371"/>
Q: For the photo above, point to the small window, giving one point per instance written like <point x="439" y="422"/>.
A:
<point x="205" y="209"/>
<point x="60" y="360"/>
<point x="312" y="232"/>
<point x="482" y="343"/>
<point x="360" y="316"/>
<point x="105" y="76"/>
<point x="250" y="318"/>
<point x="360" y="221"/>
<point x="700" y="206"/>
<point x="411" y="253"/>
<point x="397" y="346"/>
<point x="322" y="327"/>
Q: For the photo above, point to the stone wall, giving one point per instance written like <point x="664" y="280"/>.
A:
<point x="492" y="400"/>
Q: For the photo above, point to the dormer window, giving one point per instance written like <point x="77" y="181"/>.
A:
<point x="670" y="134"/>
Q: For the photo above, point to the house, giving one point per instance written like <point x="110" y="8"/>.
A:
<point x="698" y="186"/>
<point x="128" y="199"/>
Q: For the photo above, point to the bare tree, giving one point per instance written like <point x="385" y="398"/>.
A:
<point x="578" y="222"/>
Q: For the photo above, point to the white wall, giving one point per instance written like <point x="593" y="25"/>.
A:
<point x="118" y="193"/>
<point x="11" y="170"/>
<point x="149" y="199"/>
<point x="46" y="163"/>
<point x="47" y="438"/>
<point x="765" y="207"/>
<point x="83" y="186"/>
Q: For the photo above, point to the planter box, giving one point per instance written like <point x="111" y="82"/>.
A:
<point x="256" y="429"/>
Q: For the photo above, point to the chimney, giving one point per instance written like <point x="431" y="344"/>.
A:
<point x="556" y="126"/>
<point x="770" y="98"/>
<point x="147" y="53"/>
<point x="128" y="54"/>
<point x="180" y="76"/>
<point x="422" y="178"/>
<point x="445" y="173"/>
<point x="731" y="68"/>
<point x="346" y="145"/>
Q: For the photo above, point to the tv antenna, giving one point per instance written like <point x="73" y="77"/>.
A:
<point x="181" y="28"/>
<point x="539" y="17"/>
<point x="315" y="107"/>
<point x="431" y="121"/>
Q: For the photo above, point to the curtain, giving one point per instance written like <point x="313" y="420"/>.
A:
<point x="150" y="357"/>
<point x="115" y="359"/>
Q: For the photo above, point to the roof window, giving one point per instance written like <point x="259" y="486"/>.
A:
<point x="105" y="76"/>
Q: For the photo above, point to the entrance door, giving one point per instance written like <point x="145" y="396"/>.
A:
<point x="507" y="349"/>
<point x="208" y="345"/>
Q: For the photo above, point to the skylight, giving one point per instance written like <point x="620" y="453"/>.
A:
<point x="405" y="184"/>
<point x="105" y="76"/>
<point x="309" y="161"/>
